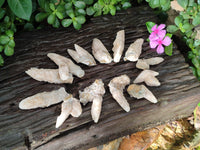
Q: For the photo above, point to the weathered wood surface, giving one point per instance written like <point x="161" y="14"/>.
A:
<point x="35" y="129"/>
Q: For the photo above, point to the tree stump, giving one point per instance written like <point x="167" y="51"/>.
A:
<point x="35" y="129"/>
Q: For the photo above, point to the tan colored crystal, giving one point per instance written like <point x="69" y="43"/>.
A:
<point x="100" y="52"/>
<point x="48" y="75"/>
<point x="116" y="87"/>
<point x="141" y="91"/>
<point x="73" y="68"/>
<point x="134" y="50"/>
<point x="82" y="56"/>
<point x="44" y="99"/>
<point x="144" y="63"/>
<point x="69" y="106"/>
<point x="148" y="76"/>
<point x="94" y="94"/>
<point x="118" y="46"/>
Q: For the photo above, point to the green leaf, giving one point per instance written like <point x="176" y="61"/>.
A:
<point x="9" y="33"/>
<point x="76" y="25"/>
<point x="189" y="33"/>
<point x="169" y="50"/>
<point x="191" y="2"/>
<point x="178" y="20"/>
<point x="70" y="13"/>
<point x="21" y="8"/>
<point x="195" y="62"/>
<point x="169" y="35"/>
<point x="149" y="26"/>
<point x="101" y="2"/>
<point x="90" y="11"/>
<point x="81" y="12"/>
<point x="79" y="4"/>
<point x="113" y="2"/>
<point x="41" y="16"/>
<point x="1" y="61"/>
<point x="196" y="20"/>
<point x="66" y="22"/>
<point x="195" y="7"/>
<point x="59" y="15"/>
<point x="46" y="7"/>
<point x="106" y="10"/>
<point x="112" y="10"/>
<point x="183" y="3"/>
<point x="42" y="3"/>
<point x="196" y="43"/>
<point x="80" y="19"/>
<point x="68" y="6"/>
<point x="88" y="2"/>
<point x="56" y="24"/>
<point x="184" y="15"/>
<point x="2" y="13"/>
<point x="172" y="28"/>
<point x="198" y="1"/>
<point x="187" y="26"/>
<point x="1" y="48"/>
<point x="166" y="6"/>
<point x="154" y="3"/>
<point x="97" y="7"/>
<point x="6" y="19"/>
<point x="8" y="51"/>
<point x="190" y="55"/>
<point x="11" y="43"/>
<point x="61" y="8"/>
<point x="163" y="2"/>
<point x="1" y="3"/>
<point x="126" y="5"/>
<point x="29" y="27"/>
<point x="52" y="7"/>
<point x="4" y="39"/>
<point x="190" y="10"/>
<point x="51" y="19"/>
<point x="98" y="13"/>
<point x="54" y="1"/>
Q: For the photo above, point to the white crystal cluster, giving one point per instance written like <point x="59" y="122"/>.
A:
<point x="95" y="92"/>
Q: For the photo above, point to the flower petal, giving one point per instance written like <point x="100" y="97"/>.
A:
<point x="160" y="49"/>
<point x="153" y="37"/>
<point x="153" y="44"/>
<point x="154" y="27"/>
<point x="167" y="41"/>
<point x="161" y="26"/>
<point x="162" y="34"/>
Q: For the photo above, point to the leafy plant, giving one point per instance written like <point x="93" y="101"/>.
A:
<point x="24" y="13"/>
<point x="108" y="6"/>
<point x="186" y="23"/>
<point x="164" y="5"/>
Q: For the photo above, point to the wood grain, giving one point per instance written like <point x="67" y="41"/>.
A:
<point x="35" y="129"/>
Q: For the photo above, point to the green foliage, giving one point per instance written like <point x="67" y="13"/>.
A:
<point x="186" y="23"/>
<point x="169" y="50"/>
<point x="163" y="5"/>
<point x="24" y="13"/>
<point x="21" y="8"/>
<point x="73" y="12"/>
<point x="149" y="26"/>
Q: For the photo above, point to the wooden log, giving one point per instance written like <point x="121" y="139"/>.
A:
<point x="35" y="129"/>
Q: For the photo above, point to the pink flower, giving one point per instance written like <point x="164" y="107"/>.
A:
<point x="160" y="41"/>
<point x="157" y="31"/>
